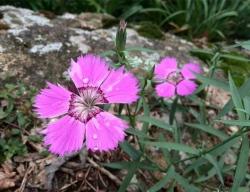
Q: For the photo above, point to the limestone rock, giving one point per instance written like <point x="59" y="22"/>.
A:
<point x="34" y="49"/>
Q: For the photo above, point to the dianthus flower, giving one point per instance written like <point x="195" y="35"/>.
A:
<point x="174" y="81"/>
<point x="81" y="114"/>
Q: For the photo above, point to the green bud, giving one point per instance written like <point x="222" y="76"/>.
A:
<point x="121" y="36"/>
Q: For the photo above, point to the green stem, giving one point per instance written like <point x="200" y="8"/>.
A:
<point x="172" y="118"/>
<point x="130" y="116"/>
<point x="141" y="95"/>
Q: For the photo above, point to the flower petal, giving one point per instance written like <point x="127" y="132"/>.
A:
<point x="120" y="87"/>
<point x="88" y="70"/>
<point x="104" y="132"/>
<point x="186" y="87"/>
<point x="188" y="70"/>
<point x="52" y="101"/>
<point x="166" y="66"/>
<point x="165" y="90"/>
<point x="65" y="136"/>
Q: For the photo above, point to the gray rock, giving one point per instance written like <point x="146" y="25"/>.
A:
<point x="35" y="49"/>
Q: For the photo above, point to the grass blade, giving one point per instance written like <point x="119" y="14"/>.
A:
<point x="209" y="129"/>
<point x="155" y="122"/>
<point x="175" y="146"/>
<point x="242" y="164"/>
<point x="236" y="97"/>
<point x="242" y="123"/>
<point x="211" y="159"/>
<point x="185" y="184"/>
<point x="137" y="133"/>
<point x="245" y="44"/>
<point x="128" y="177"/>
<point x="160" y="184"/>
<point x="243" y="91"/>
<point x="130" y="150"/>
<point x="215" y="82"/>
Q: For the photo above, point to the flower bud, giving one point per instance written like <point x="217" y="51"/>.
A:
<point x="121" y="36"/>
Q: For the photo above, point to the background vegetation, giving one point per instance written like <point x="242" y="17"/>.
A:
<point x="213" y="19"/>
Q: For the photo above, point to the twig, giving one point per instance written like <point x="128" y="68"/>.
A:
<point x="16" y="126"/>
<point x="68" y="185"/>
<point x="51" y="170"/>
<point x="22" y="187"/>
<point x="67" y="170"/>
<point x="105" y="171"/>
<point x="83" y="155"/>
<point x="102" y="180"/>
<point x="91" y="186"/>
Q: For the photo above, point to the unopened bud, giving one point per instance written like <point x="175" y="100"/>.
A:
<point x="121" y="36"/>
<point x="122" y="25"/>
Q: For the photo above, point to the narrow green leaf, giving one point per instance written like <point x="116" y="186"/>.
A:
<point x="166" y="153"/>
<point x="215" y="82"/>
<point x="246" y="101"/>
<point x="205" y="5"/>
<point x="245" y="44"/>
<point x="175" y="146"/>
<point x="235" y="58"/>
<point x="211" y="159"/>
<point x="128" y="177"/>
<point x="130" y="150"/>
<point x="218" y="151"/>
<point x="209" y="129"/>
<point x="153" y="10"/>
<point x="236" y="97"/>
<point x="243" y="91"/>
<point x="242" y="164"/>
<point x="108" y="53"/>
<point x="137" y="133"/>
<point x="177" y="13"/>
<point x="142" y="49"/>
<point x="242" y="123"/>
<point x="118" y="165"/>
<point x="210" y="173"/>
<point x="222" y="147"/>
<point x="155" y="122"/>
<point x="228" y="14"/>
<point x="127" y="164"/>
<point x="131" y="11"/>
<point x="160" y="184"/>
<point x="185" y="183"/>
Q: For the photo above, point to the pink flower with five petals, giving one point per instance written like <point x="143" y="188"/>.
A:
<point x="175" y="81"/>
<point x="81" y="117"/>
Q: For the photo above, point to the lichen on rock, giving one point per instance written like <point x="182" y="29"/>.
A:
<point x="43" y="49"/>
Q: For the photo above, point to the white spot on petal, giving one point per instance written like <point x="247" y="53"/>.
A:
<point x="107" y="124"/>
<point x="109" y="89"/>
<point x="85" y="80"/>
<point x="95" y="136"/>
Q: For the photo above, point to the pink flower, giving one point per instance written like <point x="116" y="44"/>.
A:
<point x="174" y="81"/>
<point x="81" y="116"/>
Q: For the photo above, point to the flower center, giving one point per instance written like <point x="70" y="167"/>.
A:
<point x="85" y="105"/>
<point x="174" y="77"/>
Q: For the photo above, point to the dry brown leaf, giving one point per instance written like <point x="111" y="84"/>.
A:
<point x="6" y="183"/>
<point x="21" y="170"/>
<point x="8" y="166"/>
<point x="7" y="175"/>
